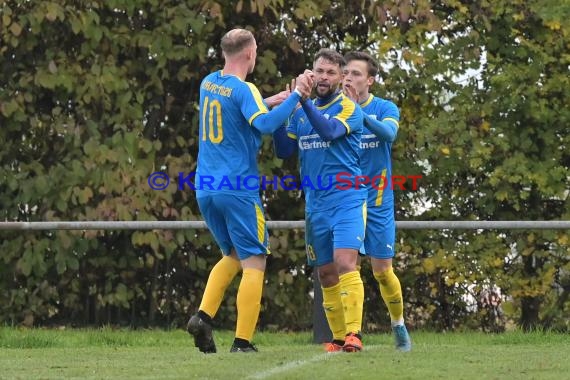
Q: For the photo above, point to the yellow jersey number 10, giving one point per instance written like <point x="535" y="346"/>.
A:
<point x="212" y="113"/>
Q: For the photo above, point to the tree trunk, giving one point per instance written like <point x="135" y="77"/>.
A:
<point x="530" y="306"/>
<point x="529" y="316"/>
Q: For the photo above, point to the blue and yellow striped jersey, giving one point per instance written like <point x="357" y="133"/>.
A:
<point x="228" y="143"/>
<point x="376" y="155"/>
<point x="322" y="162"/>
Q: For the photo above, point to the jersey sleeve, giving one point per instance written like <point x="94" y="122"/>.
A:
<point x="389" y="112"/>
<point x="349" y="115"/>
<point x="292" y="128"/>
<point x="250" y="102"/>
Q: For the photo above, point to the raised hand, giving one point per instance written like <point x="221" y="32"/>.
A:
<point x="304" y="84"/>
<point x="293" y="84"/>
<point x="350" y="92"/>
<point x="309" y="73"/>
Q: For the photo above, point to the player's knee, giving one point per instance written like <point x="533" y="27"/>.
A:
<point x="381" y="265"/>
<point x="345" y="260"/>
<point x="346" y="268"/>
<point x="254" y="262"/>
<point x="328" y="275"/>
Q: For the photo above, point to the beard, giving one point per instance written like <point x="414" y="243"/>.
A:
<point x="324" y="91"/>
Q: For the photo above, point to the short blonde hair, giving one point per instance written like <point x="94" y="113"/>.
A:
<point x="236" y="40"/>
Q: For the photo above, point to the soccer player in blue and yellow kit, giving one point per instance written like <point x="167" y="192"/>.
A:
<point x="381" y="122"/>
<point x="232" y="119"/>
<point x="326" y="133"/>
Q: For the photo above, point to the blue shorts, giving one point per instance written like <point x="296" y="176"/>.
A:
<point x="339" y="227"/>
<point x="380" y="233"/>
<point x="236" y="222"/>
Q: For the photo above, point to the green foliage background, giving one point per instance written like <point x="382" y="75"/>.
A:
<point x="96" y="95"/>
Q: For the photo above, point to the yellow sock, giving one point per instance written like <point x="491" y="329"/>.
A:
<point x="220" y="278"/>
<point x="334" y="311"/>
<point x="391" y="292"/>
<point x="352" y="295"/>
<point x="249" y="302"/>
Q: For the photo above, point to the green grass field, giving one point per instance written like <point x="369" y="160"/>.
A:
<point x="155" y="354"/>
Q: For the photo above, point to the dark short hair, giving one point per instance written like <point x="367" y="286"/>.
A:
<point x="330" y="55"/>
<point x="362" y="56"/>
<point x="236" y="40"/>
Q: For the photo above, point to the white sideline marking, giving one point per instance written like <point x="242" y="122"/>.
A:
<point x="299" y="363"/>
